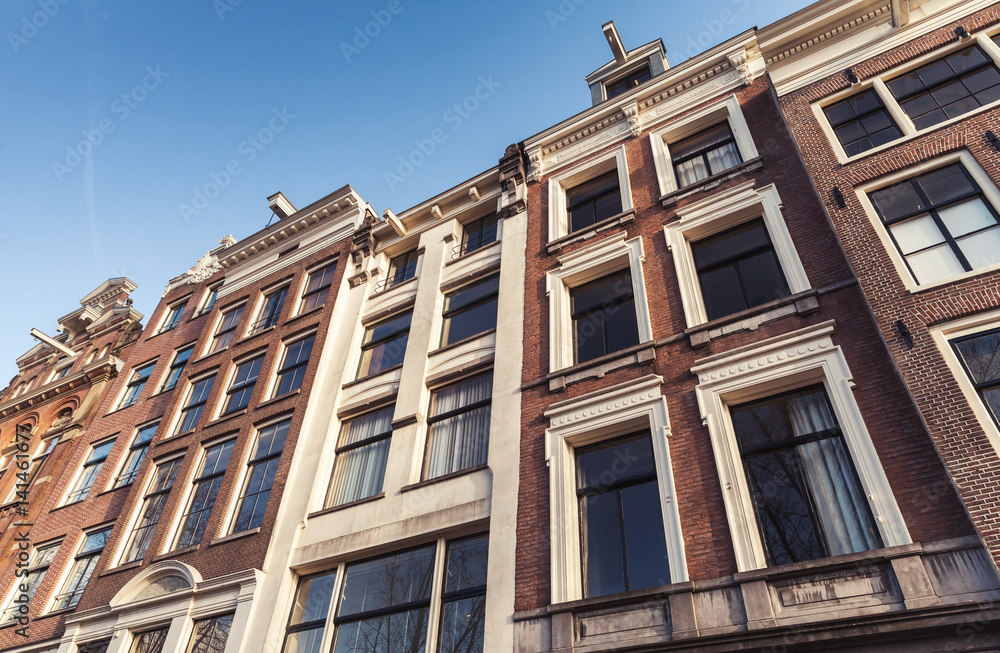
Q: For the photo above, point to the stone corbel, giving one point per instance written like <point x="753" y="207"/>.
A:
<point x="631" y="112"/>
<point x="535" y="165"/>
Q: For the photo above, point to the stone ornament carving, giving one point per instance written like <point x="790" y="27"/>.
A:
<point x="741" y="63"/>
<point x="631" y="112"/>
<point x="201" y="271"/>
<point x="535" y="169"/>
<point x="765" y="361"/>
<point x="228" y="241"/>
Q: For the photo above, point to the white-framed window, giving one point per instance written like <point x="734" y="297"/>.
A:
<point x="458" y="426"/>
<point x="317" y="286"/>
<point x="83" y="567"/>
<point x="351" y="609"/>
<point x="470" y="310"/>
<point x="589" y="193"/>
<point x="225" y="332"/>
<point x="172" y="316"/>
<point x="702" y="144"/>
<point x="137" y="381"/>
<point x="938" y="88"/>
<point x="20" y="489"/>
<point x="615" y="259"/>
<point x="150" y="641"/>
<point x="199" y="390"/>
<point x="970" y="349"/>
<point x="91" y="470"/>
<point x="799" y="387"/>
<point x="173" y="375"/>
<point x="136" y="453"/>
<point x="587" y="478"/>
<point x="18" y="603"/>
<point x="204" y="491"/>
<point x="384" y="344"/>
<point x="211" y="294"/>
<point x="61" y="371"/>
<point x="361" y="456"/>
<point x="270" y="310"/>
<point x="243" y="382"/>
<point x="938" y="221"/>
<point x="292" y="371"/>
<point x="732" y="252"/>
<point x="148" y="515"/>
<point x="261" y="469"/>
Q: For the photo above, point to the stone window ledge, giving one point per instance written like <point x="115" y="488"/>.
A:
<point x="713" y="181"/>
<point x="640" y="354"/>
<point x="801" y="303"/>
<point x="622" y="218"/>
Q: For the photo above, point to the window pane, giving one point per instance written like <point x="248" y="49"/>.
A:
<point x="596" y="294"/>
<point x="981" y="356"/>
<point x="359" y="473"/>
<point x="762" y="278"/>
<point x="371" y="425"/>
<point x="389" y="581"/>
<point x="897" y="200"/>
<point x="402" y="632"/>
<point x="211" y="635"/>
<point x="729" y="245"/>
<point x="459" y="442"/>
<point x="466" y="566"/>
<point x="614" y="463"/>
<point x="384" y="355"/>
<point x="150" y="642"/>
<point x="313" y="599"/>
<point x="981" y="249"/>
<point x="470" y="322"/>
<point x="945" y="184"/>
<point x="966" y="217"/>
<point x="602" y="540"/>
<point x="645" y="542"/>
<point x="782" y="508"/>
<point x="306" y="641"/>
<point x="917" y="233"/>
<point x="472" y="293"/>
<point x="721" y="292"/>
<point x="463" y="625"/>
<point x="933" y="264"/>
<point x="389" y="327"/>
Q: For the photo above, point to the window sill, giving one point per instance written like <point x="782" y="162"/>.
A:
<point x="55" y="613"/>
<point x="494" y="244"/>
<point x="115" y="489"/>
<point x="640" y="354"/>
<point x="250" y="336"/>
<point x="201" y="313"/>
<point x="177" y="436"/>
<point x="443" y="477"/>
<point x="461" y="342"/>
<point x="176" y="552"/>
<point x="355" y="382"/>
<point x="306" y="314"/>
<point x="207" y="356"/>
<point x="801" y="303"/>
<point x="69" y="505"/>
<point x="622" y="218"/>
<point x="120" y="409"/>
<point x="708" y="183"/>
<point x="958" y="278"/>
<point x="226" y="417"/>
<point x="390" y="289"/>
<point x="161" y="332"/>
<point x="274" y="400"/>
<point x="119" y="568"/>
<point x="345" y="506"/>
<point x="234" y="536"/>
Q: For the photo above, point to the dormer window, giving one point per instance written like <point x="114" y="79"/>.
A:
<point x="627" y="82"/>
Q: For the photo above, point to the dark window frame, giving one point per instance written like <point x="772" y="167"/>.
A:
<point x="293" y="369"/>
<point x="628" y="81"/>
<point x="592" y="199"/>
<point x="402" y="268"/>
<point x="610" y="308"/>
<point x="203" y="515"/>
<point x="932" y="210"/>
<point x="479" y="233"/>
<point x="136" y="454"/>
<point x="342" y="448"/>
<point x="928" y="89"/>
<point x="308" y="300"/>
<point x="141" y="536"/>
<point x="176" y="367"/>
<point x="193" y="405"/>
<point x="137" y="382"/>
<point x="368" y="345"/>
<point x="733" y="260"/>
<point x="450" y="313"/>
<point x="978" y="386"/>
<point x="173" y="317"/>
<point x="81" y="488"/>
<point x="257" y="459"/>
<point x="860" y="118"/>
<point x="72" y="597"/>
<point x="240" y="392"/>
<point x="226" y="332"/>
<point x="270" y="310"/>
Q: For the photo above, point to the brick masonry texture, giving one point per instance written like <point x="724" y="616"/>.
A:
<point x="904" y="448"/>
<point x="959" y="438"/>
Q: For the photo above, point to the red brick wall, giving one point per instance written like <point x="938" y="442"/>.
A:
<point x="902" y="444"/>
<point x="968" y="455"/>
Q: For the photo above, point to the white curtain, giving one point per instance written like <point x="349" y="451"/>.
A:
<point x="842" y="508"/>
<point x="723" y="158"/>
<point x="460" y="441"/>
<point x="359" y="472"/>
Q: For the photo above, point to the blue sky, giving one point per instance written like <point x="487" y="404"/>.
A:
<point x="118" y="119"/>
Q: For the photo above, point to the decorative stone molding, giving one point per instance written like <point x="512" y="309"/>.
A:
<point x="228" y="241"/>
<point x="201" y="271"/>
<point x="631" y="112"/>
<point x="513" y="184"/>
<point x="535" y="169"/>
